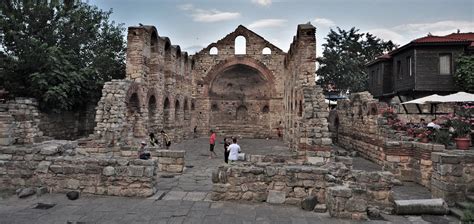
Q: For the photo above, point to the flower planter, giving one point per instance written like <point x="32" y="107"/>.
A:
<point x="462" y="143"/>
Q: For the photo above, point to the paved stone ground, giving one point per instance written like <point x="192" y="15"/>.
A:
<point x="97" y="209"/>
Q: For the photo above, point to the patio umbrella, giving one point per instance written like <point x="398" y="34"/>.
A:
<point x="435" y="98"/>
<point x="457" y="97"/>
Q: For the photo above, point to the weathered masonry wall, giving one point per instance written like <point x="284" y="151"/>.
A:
<point x="60" y="167"/>
<point x="334" y="185"/>
<point x="239" y="94"/>
<point x="19" y="120"/>
<point x="305" y="119"/>
<point x="361" y="127"/>
<point x="262" y="92"/>
<point x="453" y="175"/>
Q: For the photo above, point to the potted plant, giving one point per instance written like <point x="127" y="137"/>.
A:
<point x="460" y="126"/>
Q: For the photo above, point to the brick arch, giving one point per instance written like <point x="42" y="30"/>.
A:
<point x="135" y="88"/>
<point x="259" y="66"/>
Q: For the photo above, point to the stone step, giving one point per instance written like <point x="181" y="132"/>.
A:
<point x="470" y="198"/>
<point x="462" y="205"/>
<point x="435" y="206"/>
<point x="456" y="212"/>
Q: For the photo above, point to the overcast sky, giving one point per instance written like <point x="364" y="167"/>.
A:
<point x="195" y="24"/>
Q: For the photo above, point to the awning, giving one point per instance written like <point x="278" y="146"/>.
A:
<point x="435" y="98"/>
<point x="458" y="97"/>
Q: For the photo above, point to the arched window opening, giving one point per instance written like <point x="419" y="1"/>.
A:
<point x="186" y="110"/>
<point x="192" y="106"/>
<point x="154" y="42"/>
<point x="241" y="112"/>
<point x="176" y="110"/>
<point x="240" y="45"/>
<point x="266" y="51"/>
<point x="300" y="109"/>
<point x="166" y="113"/>
<point x="213" y="51"/>
<point x="134" y="103"/>
<point x="265" y="109"/>
<point x="151" y="108"/>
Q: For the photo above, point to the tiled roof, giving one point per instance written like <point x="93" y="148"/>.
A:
<point x="454" y="37"/>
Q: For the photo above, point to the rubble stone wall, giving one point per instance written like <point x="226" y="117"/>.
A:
<point x="305" y="112"/>
<point x="289" y="183"/>
<point x="58" y="166"/>
<point x="453" y="175"/>
<point x="20" y="122"/>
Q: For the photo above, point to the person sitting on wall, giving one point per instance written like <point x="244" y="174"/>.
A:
<point x="433" y="124"/>
<point x="234" y="150"/>
<point x="153" y="140"/>
<point x="166" y="140"/>
<point x="422" y="123"/>
<point x="226" y="153"/>
<point x="143" y="152"/>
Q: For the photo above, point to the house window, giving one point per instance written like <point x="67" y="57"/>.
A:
<point x="399" y="69"/>
<point x="445" y="64"/>
<point x="409" y="66"/>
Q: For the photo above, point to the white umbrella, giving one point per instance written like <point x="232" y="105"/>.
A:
<point x="458" y="97"/>
<point x="427" y="99"/>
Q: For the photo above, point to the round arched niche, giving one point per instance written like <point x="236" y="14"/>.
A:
<point x="240" y="82"/>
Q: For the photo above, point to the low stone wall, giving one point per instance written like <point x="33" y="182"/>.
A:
<point x="170" y="161"/>
<point x="453" y="175"/>
<point x="253" y="182"/>
<point x="57" y="166"/>
<point x="290" y="184"/>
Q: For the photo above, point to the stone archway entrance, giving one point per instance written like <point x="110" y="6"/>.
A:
<point x="239" y="94"/>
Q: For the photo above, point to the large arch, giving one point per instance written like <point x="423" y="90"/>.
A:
<point x="238" y="88"/>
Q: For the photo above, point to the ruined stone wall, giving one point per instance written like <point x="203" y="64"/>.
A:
<point x="346" y="193"/>
<point x="58" y="166"/>
<point x="305" y="123"/>
<point x="19" y="123"/>
<point x="453" y="175"/>
<point x="69" y="124"/>
<point x="154" y="96"/>
<point x="239" y="94"/>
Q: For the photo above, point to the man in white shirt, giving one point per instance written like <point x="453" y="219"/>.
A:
<point x="234" y="150"/>
<point x="433" y="124"/>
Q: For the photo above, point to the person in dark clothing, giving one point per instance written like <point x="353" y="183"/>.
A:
<point x="153" y="140"/>
<point x="226" y="153"/>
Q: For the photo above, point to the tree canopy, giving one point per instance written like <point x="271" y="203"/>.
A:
<point x="464" y="76"/>
<point x="59" y="53"/>
<point x="345" y="55"/>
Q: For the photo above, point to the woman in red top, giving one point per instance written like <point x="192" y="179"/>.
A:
<point x="212" y="143"/>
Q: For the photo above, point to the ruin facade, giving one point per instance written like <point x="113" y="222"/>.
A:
<point x="261" y="92"/>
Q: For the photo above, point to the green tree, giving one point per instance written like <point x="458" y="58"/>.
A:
<point x="464" y="76"/>
<point x="59" y="53"/>
<point x="345" y="54"/>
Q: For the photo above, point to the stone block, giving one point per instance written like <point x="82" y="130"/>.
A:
<point x="5" y="157"/>
<point x="135" y="171"/>
<point x="174" y="168"/>
<point x="356" y="205"/>
<point x="340" y="191"/>
<point x="276" y="197"/>
<point x="320" y="208"/>
<point x="169" y="153"/>
<point x="43" y="167"/>
<point x="395" y="159"/>
<point x="149" y="171"/>
<point x="315" y="160"/>
<point x="108" y="171"/>
<point x="309" y="203"/>
<point x="421" y="206"/>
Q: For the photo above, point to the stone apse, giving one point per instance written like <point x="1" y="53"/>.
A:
<point x="256" y="93"/>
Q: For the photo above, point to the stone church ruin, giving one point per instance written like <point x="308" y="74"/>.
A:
<point x="256" y="94"/>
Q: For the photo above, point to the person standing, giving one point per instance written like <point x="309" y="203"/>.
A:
<point x="212" y="143"/>
<point x="166" y="139"/>
<point x="234" y="150"/>
<point x="226" y="153"/>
